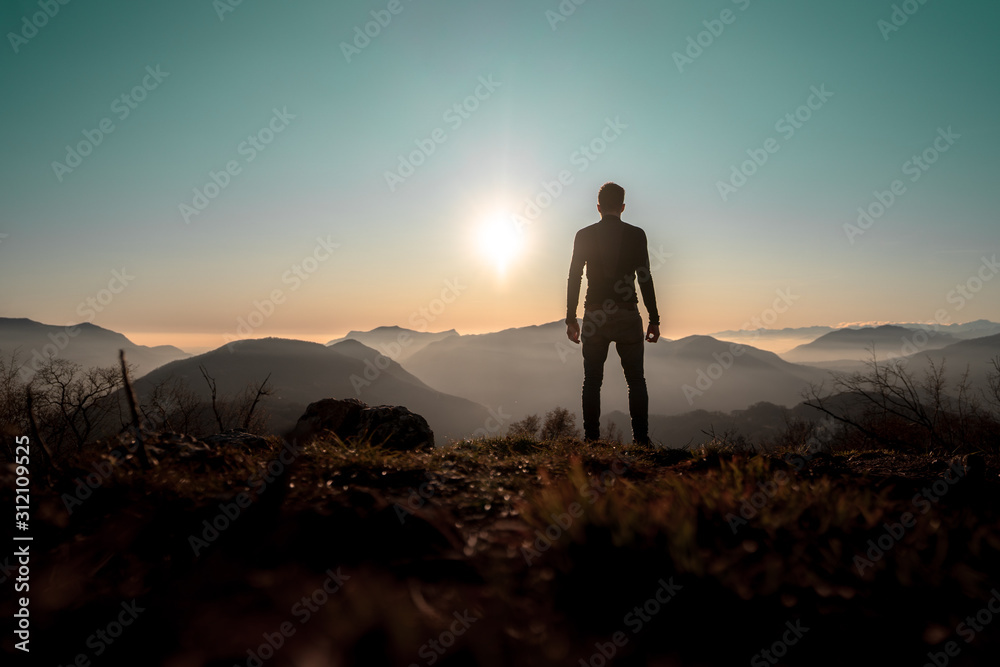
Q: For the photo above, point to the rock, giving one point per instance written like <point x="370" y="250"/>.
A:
<point x="329" y="414"/>
<point x="170" y="439"/>
<point x="169" y="443"/>
<point x="970" y="466"/>
<point x="236" y="438"/>
<point x="395" y="427"/>
<point x="390" y="426"/>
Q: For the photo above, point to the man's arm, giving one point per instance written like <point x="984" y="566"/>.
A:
<point x="573" y="290"/>
<point x="645" y="279"/>
<point x="575" y="278"/>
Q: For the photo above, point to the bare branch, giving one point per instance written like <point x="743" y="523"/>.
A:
<point x="212" y="387"/>
<point x="136" y="422"/>
<point x="262" y="390"/>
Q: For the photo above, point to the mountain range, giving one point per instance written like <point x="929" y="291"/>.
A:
<point x="533" y="369"/>
<point x="977" y="356"/>
<point x="887" y="341"/>
<point x="302" y="372"/>
<point x="467" y="385"/>
<point x="782" y="341"/>
<point x="397" y="343"/>
<point x="85" y="344"/>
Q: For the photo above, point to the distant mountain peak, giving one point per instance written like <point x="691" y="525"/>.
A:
<point x="269" y="341"/>
<point x="348" y="342"/>
<point x="700" y="341"/>
<point x="393" y="328"/>
<point x="352" y="346"/>
<point x="395" y="340"/>
<point x="881" y="332"/>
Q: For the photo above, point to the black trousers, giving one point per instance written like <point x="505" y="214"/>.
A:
<point x="624" y="328"/>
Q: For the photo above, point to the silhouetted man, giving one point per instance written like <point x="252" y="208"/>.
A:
<point x="615" y="254"/>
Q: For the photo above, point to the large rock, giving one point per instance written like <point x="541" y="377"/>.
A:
<point x="391" y="426"/>
<point x="236" y="438"/>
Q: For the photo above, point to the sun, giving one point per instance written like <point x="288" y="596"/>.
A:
<point x="500" y="239"/>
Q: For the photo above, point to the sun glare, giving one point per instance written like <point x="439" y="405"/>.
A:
<point x="500" y="240"/>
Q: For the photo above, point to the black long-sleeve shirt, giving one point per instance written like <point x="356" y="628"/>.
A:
<point x="592" y="247"/>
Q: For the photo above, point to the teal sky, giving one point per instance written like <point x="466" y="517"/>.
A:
<point x="680" y="132"/>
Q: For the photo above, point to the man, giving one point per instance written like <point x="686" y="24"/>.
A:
<point x="615" y="254"/>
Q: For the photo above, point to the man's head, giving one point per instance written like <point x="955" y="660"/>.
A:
<point x="611" y="199"/>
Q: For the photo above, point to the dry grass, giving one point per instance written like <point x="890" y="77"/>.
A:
<point x="548" y="545"/>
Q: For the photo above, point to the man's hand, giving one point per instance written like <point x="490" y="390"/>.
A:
<point x="652" y="333"/>
<point x="573" y="331"/>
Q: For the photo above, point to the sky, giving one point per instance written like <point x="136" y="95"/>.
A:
<point x="190" y="172"/>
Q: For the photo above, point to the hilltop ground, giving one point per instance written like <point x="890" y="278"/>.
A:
<point x="513" y="552"/>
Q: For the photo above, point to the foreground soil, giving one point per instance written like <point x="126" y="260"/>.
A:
<point x="511" y="552"/>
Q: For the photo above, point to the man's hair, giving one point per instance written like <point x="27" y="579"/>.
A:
<point x="611" y="197"/>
